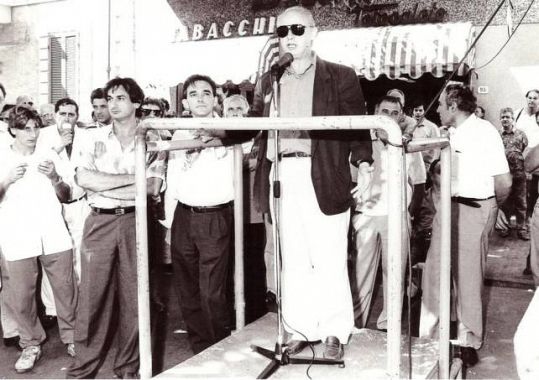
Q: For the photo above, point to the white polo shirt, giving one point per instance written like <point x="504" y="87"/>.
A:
<point x="477" y="155"/>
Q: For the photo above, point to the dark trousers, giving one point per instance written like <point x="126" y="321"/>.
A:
<point x="200" y="248"/>
<point x="108" y="291"/>
<point x="516" y="202"/>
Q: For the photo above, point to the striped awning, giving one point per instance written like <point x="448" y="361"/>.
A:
<point x="395" y="51"/>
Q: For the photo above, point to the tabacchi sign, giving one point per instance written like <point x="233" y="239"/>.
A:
<point x="239" y="18"/>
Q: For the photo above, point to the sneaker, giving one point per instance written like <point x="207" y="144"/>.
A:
<point x="70" y="349"/>
<point x="29" y="357"/>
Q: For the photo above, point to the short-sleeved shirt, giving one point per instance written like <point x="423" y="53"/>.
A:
<point x="427" y="129"/>
<point x="376" y="204"/>
<point x="31" y="221"/>
<point x="101" y="151"/>
<point x="201" y="177"/>
<point x="477" y="155"/>
<point x="515" y="142"/>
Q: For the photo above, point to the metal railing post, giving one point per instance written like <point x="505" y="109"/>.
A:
<point x="239" y="292"/>
<point x="143" y="274"/>
<point x="394" y="267"/>
<point x="445" y="261"/>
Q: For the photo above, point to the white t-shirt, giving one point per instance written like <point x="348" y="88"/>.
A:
<point x="477" y="155"/>
<point x="31" y="221"/>
<point x="201" y="178"/>
<point x="528" y="124"/>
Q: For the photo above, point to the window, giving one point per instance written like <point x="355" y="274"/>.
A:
<point x="59" y="77"/>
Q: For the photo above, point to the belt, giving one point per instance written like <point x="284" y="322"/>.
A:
<point x="294" y="154"/>
<point x="75" y="200"/>
<point x="204" y="209"/>
<point x="472" y="202"/>
<point x="114" y="211"/>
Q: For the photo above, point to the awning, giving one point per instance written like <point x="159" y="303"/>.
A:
<point x="411" y="50"/>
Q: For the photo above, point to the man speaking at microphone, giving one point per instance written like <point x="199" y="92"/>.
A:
<point x="315" y="181"/>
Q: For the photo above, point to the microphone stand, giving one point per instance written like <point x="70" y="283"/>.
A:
<point x="279" y="356"/>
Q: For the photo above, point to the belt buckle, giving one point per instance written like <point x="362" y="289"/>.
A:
<point x="119" y="211"/>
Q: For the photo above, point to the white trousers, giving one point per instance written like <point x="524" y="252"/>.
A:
<point x="316" y="296"/>
<point x="371" y="243"/>
<point x="525" y="342"/>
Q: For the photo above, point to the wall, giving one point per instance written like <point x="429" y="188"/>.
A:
<point x="512" y="73"/>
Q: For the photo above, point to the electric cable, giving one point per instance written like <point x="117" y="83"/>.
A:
<point x="470" y="48"/>
<point x="508" y="39"/>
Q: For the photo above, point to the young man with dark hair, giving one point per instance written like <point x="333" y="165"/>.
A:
<point x="480" y="183"/>
<point x="105" y="168"/>
<point x="32" y="185"/>
<point x="100" y="108"/>
<point x="199" y="195"/>
<point x="370" y="218"/>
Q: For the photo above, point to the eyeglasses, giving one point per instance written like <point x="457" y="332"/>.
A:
<point x="148" y="111"/>
<point x="297" y="30"/>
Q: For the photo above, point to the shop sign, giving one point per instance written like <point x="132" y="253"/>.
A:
<point x="349" y="13"/>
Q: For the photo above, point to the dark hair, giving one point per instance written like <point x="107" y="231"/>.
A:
<point x="3" y="89"/>
<point x="155" y="102"/>
<point x="98" y="93"/>
<point x="66" y="102"/>
<point x="507" y="109"/>
<point x="418" y="102"/>
<point x="390" y="99"/>
<point x="462" y="96"/>
<point x="532" y="90"/>
<point x="19" y="117"/>
<point x="136" y="95"/>
<point x="195" y="78"/>
<point x="166" y="104"/>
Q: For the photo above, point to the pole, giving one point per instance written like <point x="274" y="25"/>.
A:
<point x="394" y="296"/>
<point x="239" y="284"/>
<point x="143" y="275"/>
<point x="445" y="261"/>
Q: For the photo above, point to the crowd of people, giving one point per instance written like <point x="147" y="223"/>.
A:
<point x="67" y="202"/>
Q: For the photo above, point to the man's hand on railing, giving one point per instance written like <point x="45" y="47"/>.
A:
<point x="364" y="182"/>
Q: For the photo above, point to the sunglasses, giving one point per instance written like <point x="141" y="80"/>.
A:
<point x="297" y="30"/>
<point x="147" y="112"/>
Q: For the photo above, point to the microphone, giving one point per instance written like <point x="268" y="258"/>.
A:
<point x="284" y="61"/>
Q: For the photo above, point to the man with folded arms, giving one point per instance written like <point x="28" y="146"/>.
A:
<point x="198" y="201"/>
<point x="105" y="168"/>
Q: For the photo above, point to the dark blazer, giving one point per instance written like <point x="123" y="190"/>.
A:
<point x="336" y="92"/>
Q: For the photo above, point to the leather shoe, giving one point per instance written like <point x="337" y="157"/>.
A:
<point x="296" y="346"/>
<point x="49" y="321"/>
<point x="469" y="356"/>
<point x="13" y="342"/>
<point x="334" y="349"/>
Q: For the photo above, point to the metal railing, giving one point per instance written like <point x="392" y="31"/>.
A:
<point x="395" y="225"/>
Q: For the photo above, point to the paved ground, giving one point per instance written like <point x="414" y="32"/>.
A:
<point x="507" y="297"/>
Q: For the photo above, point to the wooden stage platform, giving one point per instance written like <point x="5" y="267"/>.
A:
<point x="365" y="357"/>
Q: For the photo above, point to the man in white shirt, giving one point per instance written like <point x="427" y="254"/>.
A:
<point x="105" y="168"/>
<point x="425" y="129"/>
<point x="480" y="181"/>
<point x="199" y="194"/>
<point x="370" y="220"/>
<point x="32" y="185"/>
